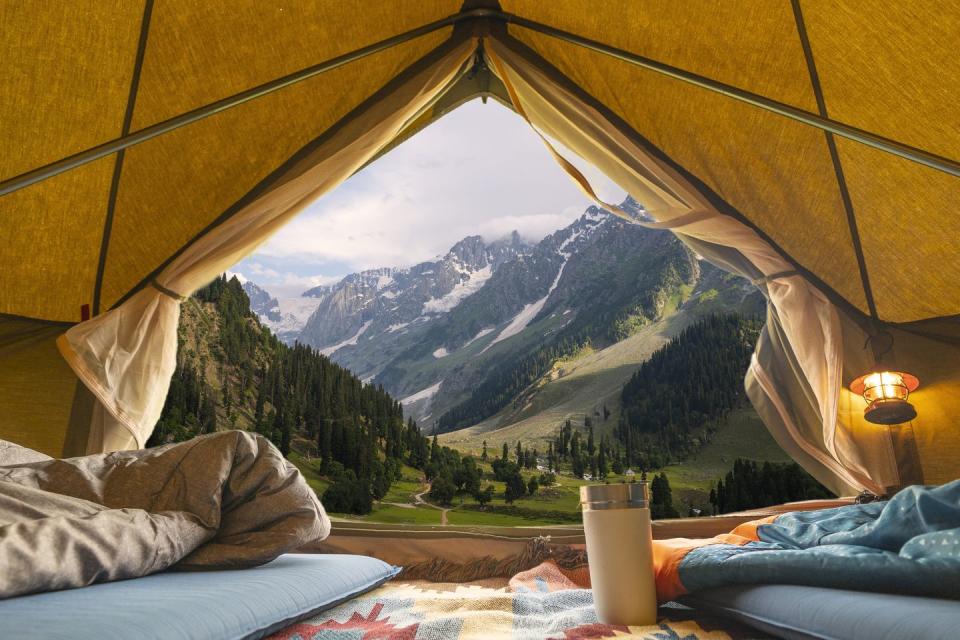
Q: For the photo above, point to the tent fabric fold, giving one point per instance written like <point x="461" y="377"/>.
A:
<point x="832" y="230"/>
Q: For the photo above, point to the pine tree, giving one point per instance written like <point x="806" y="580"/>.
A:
<point x="661" y="498"/>
<point x="578" y="466"/>
<point x="515" y="488"/>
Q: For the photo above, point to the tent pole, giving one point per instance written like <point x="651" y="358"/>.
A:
<point x="940" y="163"/>
<point x="95" y="153"/>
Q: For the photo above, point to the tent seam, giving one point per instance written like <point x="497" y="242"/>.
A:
<point x="835" y="158"/>
<point x="118" y="162"/>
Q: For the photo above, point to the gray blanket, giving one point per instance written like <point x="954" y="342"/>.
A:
<point x="225" y="500"/>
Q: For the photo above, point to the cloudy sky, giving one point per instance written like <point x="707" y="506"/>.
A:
<point x="479" y="170"/>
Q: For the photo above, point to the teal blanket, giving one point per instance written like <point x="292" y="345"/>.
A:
<point x="909" y="544"/>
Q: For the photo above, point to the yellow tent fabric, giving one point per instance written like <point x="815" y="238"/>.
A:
<point x="889" y="72"/>
<point x="70" y="88"/>
<point x="874" y="232"/>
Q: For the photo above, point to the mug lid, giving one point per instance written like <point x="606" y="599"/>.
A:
<point x="627" y="495"/>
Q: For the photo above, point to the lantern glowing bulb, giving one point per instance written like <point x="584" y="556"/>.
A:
<point x="886" y="393"/>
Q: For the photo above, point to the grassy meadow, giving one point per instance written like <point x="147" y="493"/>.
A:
<point x="743" y="435"/>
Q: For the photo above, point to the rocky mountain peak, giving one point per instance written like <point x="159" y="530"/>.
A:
<point x="471" y="251"/>
<point x="261" y="302"/>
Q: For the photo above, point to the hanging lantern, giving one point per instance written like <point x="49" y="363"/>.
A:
<point x="886" y="393"/>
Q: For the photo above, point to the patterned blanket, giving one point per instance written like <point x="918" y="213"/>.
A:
<point x="909" y="544"/>
<point x="545" y="602"/>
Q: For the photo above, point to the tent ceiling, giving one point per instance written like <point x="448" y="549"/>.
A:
<point x="65" y="98"/>
<point x="778" y="174"/>
<point x="891" y="73"/>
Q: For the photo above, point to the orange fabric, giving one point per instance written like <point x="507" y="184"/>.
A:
<point x="749" y="529"/>
<point x="668" y="554"/>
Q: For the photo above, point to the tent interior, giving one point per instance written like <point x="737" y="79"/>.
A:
<point x="809" y="147"/>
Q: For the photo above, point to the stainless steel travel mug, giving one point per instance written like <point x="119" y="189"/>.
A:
<point x="616" y="521"/>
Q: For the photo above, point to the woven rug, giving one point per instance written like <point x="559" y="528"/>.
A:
<point x="544" y="602"/>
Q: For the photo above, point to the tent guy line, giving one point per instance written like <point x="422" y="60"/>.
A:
<point x="873" y="140"/>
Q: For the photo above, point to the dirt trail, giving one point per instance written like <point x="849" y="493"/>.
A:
<point x="418" y="500"/>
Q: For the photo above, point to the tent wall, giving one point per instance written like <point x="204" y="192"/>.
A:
<point x="39" y="393"/>
<point x="886" y="71"/>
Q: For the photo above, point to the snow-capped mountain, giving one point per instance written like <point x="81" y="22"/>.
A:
<point x="389" y="300"/>
<point x="261" y="302"/>
<point x="478" y="296"/>
<point x="285" y="317"/>
<point x="460" y="337"/>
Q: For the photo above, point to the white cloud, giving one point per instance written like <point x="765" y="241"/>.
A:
<point x="480" y="170"/>
<point x="279" y="284"/>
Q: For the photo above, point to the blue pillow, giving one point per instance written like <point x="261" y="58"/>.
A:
<point x="243" y="603"/>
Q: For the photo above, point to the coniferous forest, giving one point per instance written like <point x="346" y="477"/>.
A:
<point x="749" y="485"/>
<point x="676" y="398"/>
<point x="233" y="373"/>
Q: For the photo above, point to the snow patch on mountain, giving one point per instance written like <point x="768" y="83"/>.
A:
<point x="530" y="311"/>
<point x="424" y="394"/>
<point x="441" y="353"/>
<point x="480" y="334"/>
<point x="351" y="341"/>
<point x="460" y="291"/>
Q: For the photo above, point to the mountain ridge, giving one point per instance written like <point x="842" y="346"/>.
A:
<point x="443" y="335"/>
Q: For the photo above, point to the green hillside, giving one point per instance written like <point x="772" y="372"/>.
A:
<point x="367" y="462"/>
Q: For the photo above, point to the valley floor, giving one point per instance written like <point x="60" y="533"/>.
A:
<point x="743" y="436"/>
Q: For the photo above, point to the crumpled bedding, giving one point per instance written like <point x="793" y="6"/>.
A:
<point x="908" y="545"/>
<point x="224" y="500"/>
